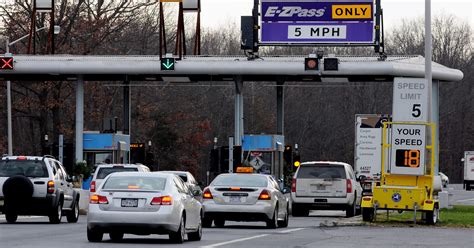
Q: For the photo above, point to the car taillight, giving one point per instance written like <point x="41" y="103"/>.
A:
<point x="349" y="186"/>
<point x="264" y="195"/>
<point x="293" y="185"/>
<point x="98" y="199"/>
<point x="93" y="186"/>
<point x="50" y="187"/>
<point x="162" y="200"/>
<point x="207" y="194"/>
<point x="21" y="158"/>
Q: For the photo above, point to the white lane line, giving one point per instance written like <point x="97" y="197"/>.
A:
<point x="292" y="230"/>
<point x="2" y="217"/>
<point x="235" y="241"/>
<point x="466" y="200"/>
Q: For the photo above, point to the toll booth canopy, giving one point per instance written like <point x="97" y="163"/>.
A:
<point x="106" y="148"/>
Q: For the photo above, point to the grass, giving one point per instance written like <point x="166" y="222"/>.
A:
<point x="458" y="216"/>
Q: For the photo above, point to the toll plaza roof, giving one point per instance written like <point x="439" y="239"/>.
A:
<point x="218" y="68"/>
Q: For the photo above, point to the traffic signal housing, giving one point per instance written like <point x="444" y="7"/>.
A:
<point x="296" y="159"/>
<point x="311" y="64"/>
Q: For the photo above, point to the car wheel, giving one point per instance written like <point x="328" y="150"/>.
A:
<point x="73" y="215"/>
<point x="11" y="217"/>
<point x="196" y="236"/>
<point x="207" y="222"/>
<point x="273" y="222"/>
<point x="351" y="209"/>
<point x="116" y="236"/>
<point x="219" y="222"/>
<point x="468" y="186"/>
<point x="94" y="236"/>
<point x="298" y="211"/>
<point x="56" y="214"/>
<point x="178" y="236"/>
<point x="284" y="222"/>
<point x="368" y="214"/>
<point x="432" y="216"/>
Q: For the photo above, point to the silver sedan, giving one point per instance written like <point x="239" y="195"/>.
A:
<point x="143" y="204"/>
<point x="245" y="197"/>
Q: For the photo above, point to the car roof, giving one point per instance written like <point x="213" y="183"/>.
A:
<point x="117" y="165"/>
<point x="325" y="162"/>
<point x="181" y="173"/>
<point x="139" y="174"/>
<point x="244" y="174"/>
<point x="25" y="158"/>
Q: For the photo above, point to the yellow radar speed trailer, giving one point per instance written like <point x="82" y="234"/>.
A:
<point x="407" y="181"/>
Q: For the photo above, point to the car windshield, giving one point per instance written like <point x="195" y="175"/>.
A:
<point x="104" y="172"/>
<point x="135" y="183"/>
<point x="240" y="181"/>
<point x="28" y="168"/>
<point x="322" y="171"/>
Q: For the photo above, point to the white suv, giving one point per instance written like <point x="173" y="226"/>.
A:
<point x="103" y="170"/>
<point x="325" y="186"/>
<point x="36" y="186"/>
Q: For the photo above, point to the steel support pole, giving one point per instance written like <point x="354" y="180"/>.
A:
<point x="429" y="76"/>
<point x="239" y="112"/>
<point x="61" y="148"/>
<point x="9" y="107"/>
<point x="79" y="118"/>
<point x="126" y="107"/>
<point x="280" y="107"/>
<point x="435" y="120"/>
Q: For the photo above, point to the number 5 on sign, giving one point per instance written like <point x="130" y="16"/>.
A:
<point x="410" y="100"/>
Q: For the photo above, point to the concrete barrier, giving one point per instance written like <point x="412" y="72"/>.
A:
<point x="83" y="201"/>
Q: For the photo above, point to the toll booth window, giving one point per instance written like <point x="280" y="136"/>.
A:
<point x="322" y="171"/>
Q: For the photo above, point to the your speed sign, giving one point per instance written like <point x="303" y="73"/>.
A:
<point x="410" y="100"/>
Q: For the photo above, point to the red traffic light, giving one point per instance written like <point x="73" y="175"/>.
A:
<point x="6" y="63"/>
<point x="311" y="64"/>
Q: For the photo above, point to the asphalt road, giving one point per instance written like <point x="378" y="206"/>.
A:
<point x="35" y="232"/>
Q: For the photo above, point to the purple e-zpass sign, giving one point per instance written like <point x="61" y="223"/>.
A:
<point x="317" y="21"/>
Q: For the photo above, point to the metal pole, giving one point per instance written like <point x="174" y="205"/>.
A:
<point x="9" y="108"/>
<point x="428" y="69"/>
<point x="280" y="107"/>
<point x="79" y="118"/>
<point x="231" y="154"/>
<point x="239" y="112"/>
<point x="126" y="107"/>
<point x="61" y="148"/>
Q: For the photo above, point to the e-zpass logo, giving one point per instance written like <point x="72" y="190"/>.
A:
<point x="291" y="11"/>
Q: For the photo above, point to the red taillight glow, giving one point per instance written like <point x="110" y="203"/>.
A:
<point x="50" y="187"/>
<point x="349" y="186"/>
<point x="207" y="194"/>
<point x="21" y="158"/>
<point x="98" y="199"/>
<point x="264" y="195"/>
<point x="162" y="200"/>
<point x="93" y="186"/>
<point x="293" y="185"/>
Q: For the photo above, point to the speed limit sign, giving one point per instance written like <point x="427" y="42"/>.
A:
<point x="410" y="100"/>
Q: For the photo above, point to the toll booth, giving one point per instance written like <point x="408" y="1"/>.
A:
<point x="106" y="148"/>
<point x="264" y="153"/>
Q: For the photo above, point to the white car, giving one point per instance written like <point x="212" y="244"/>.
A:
<point x="103" y="170"/>
<point x="245" y="197"/>
<point x="143" y="204"/>
<point x="189" y="180"/>
<point x="325" y="186"/>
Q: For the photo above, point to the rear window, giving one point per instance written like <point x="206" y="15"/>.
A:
<point x="135" y="183"/>
<point x="322" y="171"/>
<point x="104" y="172"/>
<point x="28" y="168"/>
<point x="240" y="181"/>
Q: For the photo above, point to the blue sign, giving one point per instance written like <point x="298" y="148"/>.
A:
<point x="317" y="21"/>
<point x="396" y="197"/>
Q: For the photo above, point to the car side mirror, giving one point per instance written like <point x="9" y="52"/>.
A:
<point x="197" y="192"/>
<point x="69" y="179"/>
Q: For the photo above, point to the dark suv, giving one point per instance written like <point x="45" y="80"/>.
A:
<point x="36" y="186"/>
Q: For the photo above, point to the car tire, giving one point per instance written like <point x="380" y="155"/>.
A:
<point x="207" y="222"/>
<point x="116" y="236"/>
<point x="432" y="216"/>
<point x="11" y="217"/>
<point x="73" y="215"/>
<point x="284" y="222"/>
<point x="219" y="222"/>
<point x="299" y="210"/>
<point x="94" y="236"/>
<point x="197" y="235"/>
<point x="178" y="236"/>
<point x="273" y="222"/>
<point x="352" y="209"/>
<point x="18" y="191"/>
<point x="468" y="187"/>
<point x="56" y="214"/>
<point x="368" y="214"/>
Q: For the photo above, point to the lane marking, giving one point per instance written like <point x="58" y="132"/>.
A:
<point x="2" y="217"/>
<point x="235" y="241"/>
<point x="466" y="200"/>
<point x="292" y="230"/>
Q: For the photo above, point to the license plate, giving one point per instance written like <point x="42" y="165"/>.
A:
<point x="235" y="199"/>
<point x="129" y="203"/>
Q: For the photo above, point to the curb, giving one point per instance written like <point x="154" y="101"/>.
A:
<point x="354" y="221"/>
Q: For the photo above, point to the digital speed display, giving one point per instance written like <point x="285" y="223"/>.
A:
<point x="408" y="158"/>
